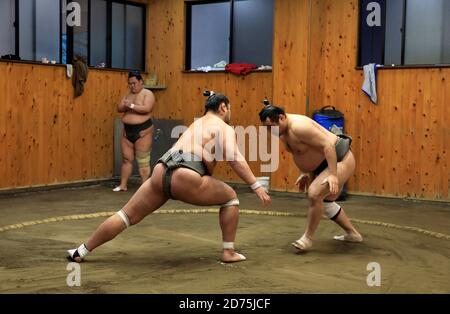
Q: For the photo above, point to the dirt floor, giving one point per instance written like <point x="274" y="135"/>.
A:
<point x="178" y="252"/>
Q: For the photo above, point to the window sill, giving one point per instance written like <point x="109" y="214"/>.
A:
<point x="31" y="62"/>
<point x="221" y="71"/>
<point x="401" y="67"/>
<point x="116" y="70"/>
<point x="64" y="65"/>
<point x="156" y="87"/>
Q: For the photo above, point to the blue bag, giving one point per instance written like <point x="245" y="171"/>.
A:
<point x="328" y="116"/>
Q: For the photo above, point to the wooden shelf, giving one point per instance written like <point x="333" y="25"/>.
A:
<point x="156" y="87"/>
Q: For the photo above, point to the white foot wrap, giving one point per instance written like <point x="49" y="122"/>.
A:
<point x="228" y="245"/>
<point x="233" y="202"/>
<point x="331" y="209"/>
<point x="124" y="217"/>
<point x="349" y="237"/>
<point x="303" y="244"/>
<point x="80" y="252"/>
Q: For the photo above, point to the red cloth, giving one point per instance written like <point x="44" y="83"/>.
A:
<point x="240" y="68"/>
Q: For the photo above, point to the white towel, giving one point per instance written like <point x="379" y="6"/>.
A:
<point x="69" y="70"/>
<point x="370" y="81"/>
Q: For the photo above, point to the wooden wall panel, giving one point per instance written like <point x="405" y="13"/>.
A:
<point x="183" y="97"/>
<point x="314" y="59"/>
<point x="47" y="136"/>
<point x="401" y="143"/>
<point x="290" y="68"/>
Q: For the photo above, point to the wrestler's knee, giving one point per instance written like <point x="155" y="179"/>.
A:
<point x="232" y="199"/>
<point x="129" y="218"/>
<point x="315" y="194"/>
<point x="143" y="159"/>
<point x="231" y="193"/>
<point x="127" y="159"/>
<point x="332" y="198"/>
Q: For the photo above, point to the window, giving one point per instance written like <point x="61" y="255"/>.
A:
<point x="118" y="38"/>
<point x="75" y="38"/>
<point x="99" y="34"/>
<point x="7" y="35"/>
<point x="404" y="32"/>
<point x="38" y="29"/>
<point x="108" y="33"/>
<point x="127" y="36"/>
<point x="236" y="31"/>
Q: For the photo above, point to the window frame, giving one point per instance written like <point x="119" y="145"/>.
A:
<point x="188" y="34"/>
<point x="397" y="66"/>
<point x="70" y="36"/>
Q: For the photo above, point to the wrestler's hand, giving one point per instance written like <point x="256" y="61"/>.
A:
<point x="127" y="104"/>
<point x="333" y="183"/>
<point x="302" y="182"/>
<point x="263" y="196"/>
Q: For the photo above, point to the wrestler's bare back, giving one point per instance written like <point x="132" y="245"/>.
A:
<point x="200" y="137"/>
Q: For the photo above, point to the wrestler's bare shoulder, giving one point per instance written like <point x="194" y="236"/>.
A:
<point x="299" y="123"/>
<point x="147" y="92"/>
<point x="298" y="118"/>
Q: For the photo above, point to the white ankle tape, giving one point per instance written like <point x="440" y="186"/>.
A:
<point x="233" y="202"/>
<point x="228" y="245"/>
<point x="331" y="209"/>
<point x="82" y="250"/>
<point x="124" y="217"/>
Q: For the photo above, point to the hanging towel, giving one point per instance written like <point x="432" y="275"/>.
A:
<point x="370" y="81"/>
<point x="80" y="74"/>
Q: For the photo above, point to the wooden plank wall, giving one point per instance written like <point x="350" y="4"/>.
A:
<point x="183" y="97"/>
<point x="314" y="58"/>
<point x="47" y="136"/>
<point x="290" y="84"/>
<point x="402" y="143"/>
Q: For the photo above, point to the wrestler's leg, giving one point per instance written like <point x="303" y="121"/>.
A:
<point x="190" y="187"/>
<point x="341" y="219"/>
<point x="143" y="148"/>
<point x="127" y="163"/>
<point x="317" y="192"/>
<point x="146" y="200"/>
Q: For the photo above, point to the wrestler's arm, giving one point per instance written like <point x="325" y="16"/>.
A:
<point x="240" y="165"/>
<point x="234" y="157"/>
<point x="147" y="104"/>
<point x="122" y="106"/>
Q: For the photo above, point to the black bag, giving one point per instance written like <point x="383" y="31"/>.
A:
<point x="10" y="57"/>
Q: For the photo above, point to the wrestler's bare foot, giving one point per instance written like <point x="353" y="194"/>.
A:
<point x="349" y="237"/>
<point x="230" y="256"/>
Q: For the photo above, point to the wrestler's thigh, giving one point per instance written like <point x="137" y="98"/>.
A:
<point x="144" y="143"/>
<point x="188" y="186"/>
